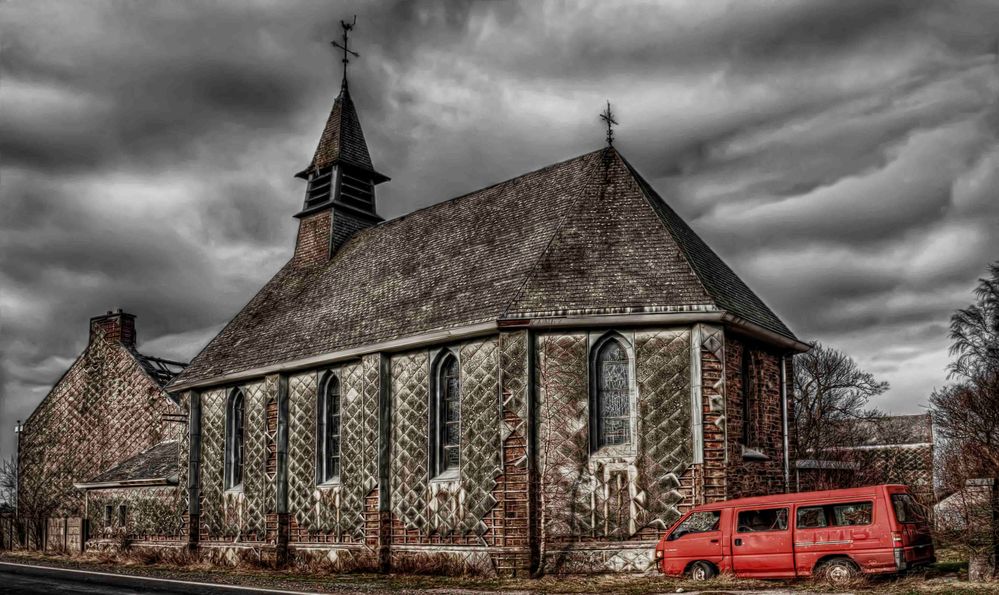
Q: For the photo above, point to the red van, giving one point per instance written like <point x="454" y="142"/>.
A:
<point x="835" y="533"/>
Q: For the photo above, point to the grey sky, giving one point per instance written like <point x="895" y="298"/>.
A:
<point x="841" y="156"/>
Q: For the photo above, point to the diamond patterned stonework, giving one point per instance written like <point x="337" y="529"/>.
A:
<point x="622" y="490"/>
<point x="563" y="442"/>
<point x="183" y="454"/>
<point x="513" y="363"/>
<point x="480" y="438"/>
<point x="301" y="446"/>
<point x="663" y="368"/>
<point x="409" y="448"/>
<point x="713" y="341"/>
<point x="253" y="502"/>
<point x="212" y="447"/>
<point x="356" y="450"/>
<point x="371" y="371"/>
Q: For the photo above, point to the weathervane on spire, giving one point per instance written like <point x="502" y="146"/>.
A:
<point x="608" y="117"/>
<point x="347" y="52"/>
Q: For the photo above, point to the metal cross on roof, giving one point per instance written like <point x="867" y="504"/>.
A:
<point x="347" y="52"/>
<point x="608" y="117"/>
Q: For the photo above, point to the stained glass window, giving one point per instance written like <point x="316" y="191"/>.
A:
<point x="234" y="441"/>
<point x="328" y="431"/>
<point x="448" y="414"/>
<point x="613" y="398"/>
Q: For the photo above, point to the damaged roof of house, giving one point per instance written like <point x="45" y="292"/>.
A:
<point x="156" y="462"/>
<point x="584" y="236"/>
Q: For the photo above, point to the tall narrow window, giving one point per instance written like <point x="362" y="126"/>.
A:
<point x="611" y="417"/>
<point x="448" y="415"/>
<point x="328" y="430"/>
<point x="748" y="394"/>
<point x="234" y="441"/>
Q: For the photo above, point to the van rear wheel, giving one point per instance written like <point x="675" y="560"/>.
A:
<point x="702" y="571"/>
<point x="839" y="571"/>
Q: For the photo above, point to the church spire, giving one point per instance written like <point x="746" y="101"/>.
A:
<point x="341" y="177"/>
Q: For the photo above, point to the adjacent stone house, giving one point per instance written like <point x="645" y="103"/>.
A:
<point x="108" y="406"/>
<point x="891" y="449"/>
<point x="137" y="500"/>
<point x="542" y="374"/>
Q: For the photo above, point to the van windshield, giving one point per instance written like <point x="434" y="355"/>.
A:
<point x="698" y="522"/>
<point x="907" y="510"/>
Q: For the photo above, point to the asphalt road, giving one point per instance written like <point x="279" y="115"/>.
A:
<point x="37" y="580"/>
<point x="32" y="585"/>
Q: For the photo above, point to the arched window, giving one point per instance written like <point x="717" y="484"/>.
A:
<point x="234" y="440"/>
<point x="328" y="430"/>
<point x="447" y="415"/>
<point x="611" y="403"/>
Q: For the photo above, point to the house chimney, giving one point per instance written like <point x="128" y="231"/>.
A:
<point x="116" y="326"/>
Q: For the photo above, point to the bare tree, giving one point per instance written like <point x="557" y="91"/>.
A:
<point x="44" y="486"/>
<point x="966" y="415"/>
<point x="8" y="481"/>
<point x="831" y="396"/>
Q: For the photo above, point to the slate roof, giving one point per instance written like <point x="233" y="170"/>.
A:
<point x="584" y="236"/>
<point x="342" y="140"/>
<point x="156" y="462"/>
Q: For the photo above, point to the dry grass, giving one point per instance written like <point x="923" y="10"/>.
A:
<point x="319" y="573"/>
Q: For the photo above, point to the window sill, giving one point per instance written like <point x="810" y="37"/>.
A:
<point x="329" y="484"/>
<point x="614" y="452"/>
<point x="449" y="476"/>
<point x="235" y="489"/>
<point x="752" y="454"/>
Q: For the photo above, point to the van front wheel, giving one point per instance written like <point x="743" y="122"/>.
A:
<point x="839" y="571"/>
<point x="702" y="571"/>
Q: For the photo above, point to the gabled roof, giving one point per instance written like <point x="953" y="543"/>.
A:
<point x="342" y="140"/>
<point x="584" y="236"/>
<point x="155" y="464"/>
<point x="728" y="291"/>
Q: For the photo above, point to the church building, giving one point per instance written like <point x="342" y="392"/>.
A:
<point x="538" y="375"/>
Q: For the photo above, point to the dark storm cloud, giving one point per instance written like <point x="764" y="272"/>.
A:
<point x="841" y="155"/>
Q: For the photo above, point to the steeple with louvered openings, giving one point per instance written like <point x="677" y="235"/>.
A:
<point x="341" y="179"/>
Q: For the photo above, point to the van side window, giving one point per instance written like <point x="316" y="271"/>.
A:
<point x="811" y="517"/>
<point x="699" y="522"/>
<point x="768" y="519"/>
<point x="854" y="513"/>
<point x="847" y="514"/>
<point x="907" y="510"/>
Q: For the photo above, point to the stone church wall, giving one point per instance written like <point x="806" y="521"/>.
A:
<point x="337" y="513"/>
<point x="236" y="514"/>
<point x="746" y="475"/>
<point x="523" y="495"/>
<point x="604" y="511"/>
<point x="479" y="518"/>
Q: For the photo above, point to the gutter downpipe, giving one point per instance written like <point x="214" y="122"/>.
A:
<point x="787" y="441"/>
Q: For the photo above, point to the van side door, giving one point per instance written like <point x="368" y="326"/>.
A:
<point x="837" y="528"/>
<point x="761" y="542"/>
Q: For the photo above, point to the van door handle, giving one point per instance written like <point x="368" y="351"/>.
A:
<point x="738" y="542"/>
<point x="714" y="541"/>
